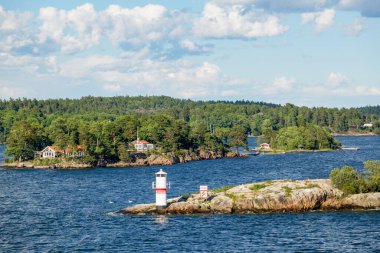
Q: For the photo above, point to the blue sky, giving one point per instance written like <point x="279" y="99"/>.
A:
<point x="306" y="52"/>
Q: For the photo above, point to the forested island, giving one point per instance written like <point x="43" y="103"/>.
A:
<point x="97" y="131"/>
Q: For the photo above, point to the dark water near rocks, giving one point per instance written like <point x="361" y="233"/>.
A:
<point x="64" y="211"/>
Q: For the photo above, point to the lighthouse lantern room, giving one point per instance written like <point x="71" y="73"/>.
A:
<point x="161" y="187"/>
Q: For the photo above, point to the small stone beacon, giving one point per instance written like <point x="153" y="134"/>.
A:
<point x="203" y="191"/>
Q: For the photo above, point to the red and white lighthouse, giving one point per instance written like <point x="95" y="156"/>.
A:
<point x="160" y="187"/>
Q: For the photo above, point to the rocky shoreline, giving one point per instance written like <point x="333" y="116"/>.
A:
<point x="140" y="160"/>
<point x="354" y="134"/>
<point x="264" y="197"/>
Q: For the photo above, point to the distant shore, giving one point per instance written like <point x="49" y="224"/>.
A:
<point x="354" y="134"/>
<point x="150" y="160"/>
<point x="280" y="151"/>
<point x="338" y="134"/>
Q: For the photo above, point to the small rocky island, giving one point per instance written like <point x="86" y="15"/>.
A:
<point x="264" y="197"/>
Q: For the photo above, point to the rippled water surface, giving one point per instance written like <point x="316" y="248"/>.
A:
<point x="64" y="211"/>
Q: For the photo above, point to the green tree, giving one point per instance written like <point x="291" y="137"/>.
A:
<point x="124" y="154"/>
<point x="238" y="138"/>
<point x="347" y="179"/>
<point x="24" y="138"/>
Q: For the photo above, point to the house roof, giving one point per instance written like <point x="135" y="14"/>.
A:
<point x="68" y="149"/>
<point x="74" y="148"/>
<point x="54" y="148"/>
<point x="264" y="144"/>
<point x="140" y="142"/>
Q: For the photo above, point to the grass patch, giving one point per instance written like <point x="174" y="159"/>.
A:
<point x="46" y="161"/>
<point x="288" y="191"/>
<point x="308" y="186"/>
<point x="231" y="196"/>
<point x="185" y="196"/>
<point x="257" y="187"/>
<point x="222" y="189"/>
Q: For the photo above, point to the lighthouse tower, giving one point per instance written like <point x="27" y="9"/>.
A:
<point x="160" y="187"/>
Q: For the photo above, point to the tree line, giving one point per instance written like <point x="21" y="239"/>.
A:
<point x="106" y="125"/>
<point x="111" y="139"/>
<point x="255" y="117"/>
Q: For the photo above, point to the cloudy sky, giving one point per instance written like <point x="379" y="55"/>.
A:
<point x="306" y="52"/>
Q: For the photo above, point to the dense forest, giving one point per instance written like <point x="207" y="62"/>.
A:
<point x="307" y="137"/>
<point x="370" y="109"/>
<point x="106" y="125"/>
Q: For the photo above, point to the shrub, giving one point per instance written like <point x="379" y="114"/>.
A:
<point x="89" y="159"/>
<point x="373" y="167"/>
<point x="373" y="184"/>
<point x="347" y="179"/>
<point x="9" y="160"/>
<point x="351" y="181"/>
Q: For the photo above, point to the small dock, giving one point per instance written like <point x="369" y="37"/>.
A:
<point x="254" y="153"/>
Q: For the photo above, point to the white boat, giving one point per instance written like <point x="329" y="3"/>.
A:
<point x="350" y="148"/>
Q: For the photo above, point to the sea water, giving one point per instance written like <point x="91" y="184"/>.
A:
<point x="66" y="210"/>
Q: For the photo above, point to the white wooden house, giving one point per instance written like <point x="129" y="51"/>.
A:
<point x="55" y="151"/>
<point x="51" y="152"/>
<point x="264" y="146"/>
<point x="143" y="145"/>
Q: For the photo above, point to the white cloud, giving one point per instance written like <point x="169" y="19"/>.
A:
<point x="136" y="74"/>
<point x="136" y="26"/>
<point x="53" y="24"/>
<point x="280" y="85"/>
<point x="346" y="91"/>
<point x="113" y="87"/>
<point x="236" y="22"/>
<point x="81" y="67"/>
<point x="229" y="93"/>
<point x="192" y="47"/>
<point x="83" y="27"/>
<point x="356" y="28"/>
<point x="14" y="32"/>
<point x="13" y="21"/>
<point x="283" y="5"/>
<point x="11" y="92"/>
<point x="336" y="79"/>
<point x="368" y="8"/>
<point x="39" y="66"/>
<point x="284" y="83"/>
<point x="83" y="21"/>
<point x="321" y="20"/>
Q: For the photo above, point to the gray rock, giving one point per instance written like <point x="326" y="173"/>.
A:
<point x="222" y="204"/>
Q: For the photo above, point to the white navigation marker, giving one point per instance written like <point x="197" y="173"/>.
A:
<point x="160" y="187"/>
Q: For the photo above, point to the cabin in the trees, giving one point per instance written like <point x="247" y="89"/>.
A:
<point x="368" y="125"/>
<point x="264" y="146"/>
<point x="51" y="152"/>
<point x="143" y="145"/>
<point x="74" y="151"/>
<point x="55" y="151"/>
